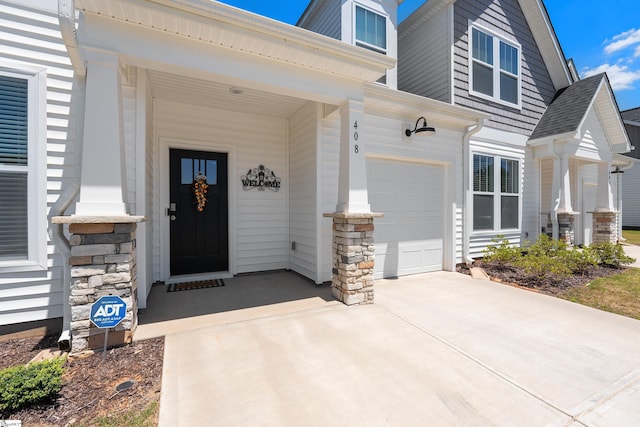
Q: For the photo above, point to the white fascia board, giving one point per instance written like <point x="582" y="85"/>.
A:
<point x="360" y="64"/>
<point x="407" y="104"/>
<point x="563" y="137"/>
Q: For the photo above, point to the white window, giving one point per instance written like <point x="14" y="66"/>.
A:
<point x="494" y="66"/>
<point x="371" y="30"/>
<point x="22" y="170"/>
<point x="496" y="197"/>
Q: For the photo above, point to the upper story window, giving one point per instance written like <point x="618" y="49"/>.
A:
<point x="371" y="30"/>
<point x="22" y="182"/>
<point x="494" y="68"/>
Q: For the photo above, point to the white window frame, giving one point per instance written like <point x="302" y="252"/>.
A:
<point x="497" y="193"/>
<point x="364" y="44"/>
<point x="36" y="168"/>
<point x="497" y="38"/>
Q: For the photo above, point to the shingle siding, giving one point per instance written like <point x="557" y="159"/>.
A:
<point x="504" y="18"/>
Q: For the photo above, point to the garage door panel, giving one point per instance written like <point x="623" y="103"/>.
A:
<point x="409" y="236"/>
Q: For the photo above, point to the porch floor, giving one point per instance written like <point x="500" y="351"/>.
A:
<point x="244" y="297"/>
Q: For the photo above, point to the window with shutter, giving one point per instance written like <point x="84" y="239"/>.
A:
<point x="14" y="142"/>
<point x="496" y="194"/>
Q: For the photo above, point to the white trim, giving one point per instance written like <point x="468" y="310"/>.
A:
<point x="497" y="193"/>
<point x="161" y="176"/>
<point x="497" y="38"/>
<point x="36" y="170"/>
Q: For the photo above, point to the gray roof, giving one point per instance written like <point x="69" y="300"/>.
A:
<point x="568" y="108"/>
<point x="632" y="114"/>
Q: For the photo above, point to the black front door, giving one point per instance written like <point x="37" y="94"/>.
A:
<point x="199" y="230"/>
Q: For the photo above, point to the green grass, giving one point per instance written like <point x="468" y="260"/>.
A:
<point x="632" y="236"/>
<point x="148" y="417"/>
<point x="618" y="294"/>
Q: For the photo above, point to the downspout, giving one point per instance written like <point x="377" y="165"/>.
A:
<point x="466" y="163"/>
<point x="67" y="20"/>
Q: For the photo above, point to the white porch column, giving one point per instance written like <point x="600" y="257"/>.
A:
<point x="565" y="185"/>
<point x="604" y="198"/>
<point x="102" y="178"/>
<point x="561" y="189"/>
<point x="352" y="186"/>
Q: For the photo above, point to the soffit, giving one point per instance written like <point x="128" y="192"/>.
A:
<point x="227" y="26"/>
<point x="210" y="94"/>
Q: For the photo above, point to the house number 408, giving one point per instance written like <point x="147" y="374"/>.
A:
<point x="356" y="149"/>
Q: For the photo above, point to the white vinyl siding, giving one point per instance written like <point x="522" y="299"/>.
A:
<point x="32" y="48"/>
<point x="631" y="196"/>
<point x="262" y="232"/>
<point x="302" y="195"/>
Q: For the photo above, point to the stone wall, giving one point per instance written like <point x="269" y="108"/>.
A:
<point x="605" y="228"/>
<point x="566" y="227"/>
<point x="103" y="262"/>
<point x="353" y="258"/>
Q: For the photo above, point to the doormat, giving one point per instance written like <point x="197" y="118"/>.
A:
<point x="202" y="284"/>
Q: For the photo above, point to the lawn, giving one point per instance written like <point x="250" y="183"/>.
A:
<point x="618" y="294"/>
<point x="632" y="236"/>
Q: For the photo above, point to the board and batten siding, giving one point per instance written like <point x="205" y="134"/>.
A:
<point x="325" y="19"/>
<point x="507" y="19"/>
<point x="424" y="55"/>
<point x="531" y="217"/>
<point x="31" y="38"/>
<point x="261" y="217"/>
<point x="303" y="130"/>
<point x="330" y="165"/>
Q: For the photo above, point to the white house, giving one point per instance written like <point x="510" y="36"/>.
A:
<point x="306" y="143"/>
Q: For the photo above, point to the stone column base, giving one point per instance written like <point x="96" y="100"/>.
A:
<point x="353" y="257"/>
<point x="604" y="227"/>
<point x="103" y="262"/>
<point x="566" y="227"/>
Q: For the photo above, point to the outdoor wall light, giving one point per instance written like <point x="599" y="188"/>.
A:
<point x="424" y="129"/>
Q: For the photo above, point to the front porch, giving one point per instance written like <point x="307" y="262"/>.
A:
<point x="244" y="297"/>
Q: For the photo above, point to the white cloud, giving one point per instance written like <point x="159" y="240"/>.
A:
<point x="620" y="76"/>
<point x="623" y="41"/>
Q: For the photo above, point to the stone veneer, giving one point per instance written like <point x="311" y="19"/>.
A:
<point x="353" y="257"/>
<point x="566" y="227"/>
<point x="102" y="262"/>
<point x="604" y="227"/>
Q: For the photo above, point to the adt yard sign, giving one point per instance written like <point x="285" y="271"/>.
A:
<point x="108" y="311"/>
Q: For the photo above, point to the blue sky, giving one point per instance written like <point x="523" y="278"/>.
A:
<point x="598" y="36"/>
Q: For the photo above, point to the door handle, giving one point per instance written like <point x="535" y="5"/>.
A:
<point x="172" y="217"/>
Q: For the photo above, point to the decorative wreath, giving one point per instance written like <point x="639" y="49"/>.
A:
<point x="200" y="190"/>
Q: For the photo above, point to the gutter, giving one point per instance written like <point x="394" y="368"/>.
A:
<point x="67" y="20"/>
<point x="466" y="215"/>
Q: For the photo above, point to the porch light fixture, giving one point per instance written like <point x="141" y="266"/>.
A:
<point x="426" y="130"/>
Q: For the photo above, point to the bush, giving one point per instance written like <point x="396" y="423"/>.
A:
<point x="546" y="246"/>
<point x="502" y="253"/>
<point x="611" y="254"/>
<point x="25" y="385"/>
<point x="579" y="261"/>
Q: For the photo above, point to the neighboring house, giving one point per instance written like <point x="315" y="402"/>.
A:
<point x="631" y="177"/>
<point x="503" y="58"/>
<point x="287" y="125"/>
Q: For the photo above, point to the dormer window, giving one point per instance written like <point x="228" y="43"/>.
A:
<point x="494" y="67"/>
<point x="371" y="30"/>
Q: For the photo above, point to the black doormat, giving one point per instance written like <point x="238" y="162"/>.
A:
<point x="202" y="284"/>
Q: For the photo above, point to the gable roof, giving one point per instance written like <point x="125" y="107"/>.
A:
<point x="632" y="115"/>
<point x="567" y="113"/>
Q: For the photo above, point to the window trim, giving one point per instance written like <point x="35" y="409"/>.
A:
<point x="363" y="44"/>
<point x="36" y="168"/>
<point x="497" y="193"/>
<point x="496" y="71"/>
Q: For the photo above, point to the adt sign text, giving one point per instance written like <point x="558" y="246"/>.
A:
<point x="108" y="311"/>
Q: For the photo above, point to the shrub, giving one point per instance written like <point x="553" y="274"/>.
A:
<point x="611" y="254"/>
<point x="25" y="385"/>
<point x="502" y="253"/>
<point x="580" y="260"/>
<point x="546" y="246"/>
<point x="543" y="266"/>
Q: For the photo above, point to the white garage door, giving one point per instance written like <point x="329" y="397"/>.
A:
<point x="409" y="237"/>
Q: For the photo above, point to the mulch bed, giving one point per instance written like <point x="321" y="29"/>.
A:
<point x="550" y="285"/>
<point x="90" y="383"/>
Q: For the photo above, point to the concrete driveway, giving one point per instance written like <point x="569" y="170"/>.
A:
<point x="435" y="349"/>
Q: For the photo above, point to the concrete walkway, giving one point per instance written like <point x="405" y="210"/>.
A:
<point x="435" y="349"/>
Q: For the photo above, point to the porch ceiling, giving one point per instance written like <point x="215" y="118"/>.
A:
<point x="216" y="95"/>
